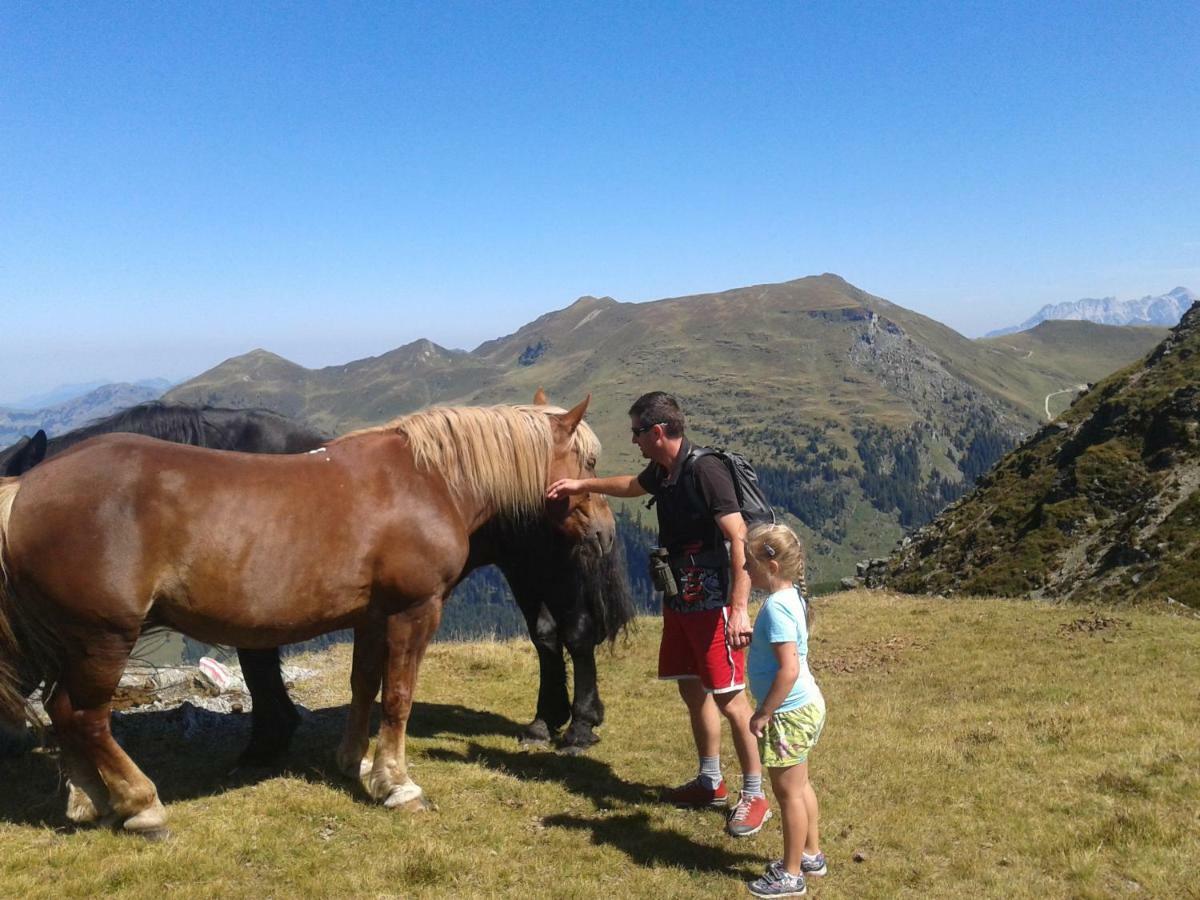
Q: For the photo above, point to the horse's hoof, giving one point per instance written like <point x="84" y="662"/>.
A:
<point x="532" y="743"/>
<point x="408" y="797"/>
<point x="536" y="734"/>
<point x="577" y="742"/>
<point x="149" y="823"/>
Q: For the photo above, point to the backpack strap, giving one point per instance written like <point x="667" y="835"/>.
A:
<point x="692" y="485"/>
<point x="687" y="477"/>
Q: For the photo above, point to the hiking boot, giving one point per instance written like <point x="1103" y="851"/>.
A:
<point x="814" y="866"/>
<point x="748" y="817"/>
<point x="777" y="882"/>
<point x="695" y="795"/>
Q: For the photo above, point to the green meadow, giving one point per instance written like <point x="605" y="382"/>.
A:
<point x="974" y="748"/>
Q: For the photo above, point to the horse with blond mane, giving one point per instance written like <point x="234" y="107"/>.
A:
<point x="371" y="532"/>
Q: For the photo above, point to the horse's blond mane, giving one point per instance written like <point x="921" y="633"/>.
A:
<point x="500" y="453"/>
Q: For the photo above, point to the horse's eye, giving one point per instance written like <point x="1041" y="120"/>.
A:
<point x="591" y="462"/>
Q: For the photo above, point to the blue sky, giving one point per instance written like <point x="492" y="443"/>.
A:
<point x="182" y="182"/>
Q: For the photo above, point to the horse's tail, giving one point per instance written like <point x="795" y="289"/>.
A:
<point x="612" y="603"/>
<point x="16" y="663"/>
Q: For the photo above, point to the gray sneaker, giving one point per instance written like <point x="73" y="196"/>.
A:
<point x="808" y="867"/>
<point x="814" y="866"/>
<point x="778" y="882"/>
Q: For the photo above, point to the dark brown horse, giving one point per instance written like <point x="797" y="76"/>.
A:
<point x="370" y="532"/>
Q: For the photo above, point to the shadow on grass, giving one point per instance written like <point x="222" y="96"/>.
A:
<point x="632" y="833"/>
<point x="648" y="846"/>
<point x="190" y="752"/>
<point x="581" y="775"/>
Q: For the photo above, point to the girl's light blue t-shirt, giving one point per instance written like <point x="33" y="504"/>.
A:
<point x="781" y="621"/>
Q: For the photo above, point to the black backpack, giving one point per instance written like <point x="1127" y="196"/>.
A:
<point x="755" y="508"/>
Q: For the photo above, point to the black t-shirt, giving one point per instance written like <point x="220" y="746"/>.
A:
<point x="691" y="534"/>
<point x="681" y="525"/>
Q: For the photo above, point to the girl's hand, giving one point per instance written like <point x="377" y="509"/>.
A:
<point x="758" y="722"/>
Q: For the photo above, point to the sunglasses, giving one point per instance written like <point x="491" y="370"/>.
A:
<point x="638" y="432"/>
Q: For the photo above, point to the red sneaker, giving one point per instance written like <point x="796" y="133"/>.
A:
<point x="695" y="795"/>
<point x="748" y="817"/>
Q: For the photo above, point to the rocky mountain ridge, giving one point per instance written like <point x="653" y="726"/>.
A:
<point x="1101" y="504"/>
<point x="1164" y="310"/>
<point x="864" y="418"/>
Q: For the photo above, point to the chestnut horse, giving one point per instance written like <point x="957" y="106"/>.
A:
<point x="370" y="532"/>
<point x="573" y="596"/>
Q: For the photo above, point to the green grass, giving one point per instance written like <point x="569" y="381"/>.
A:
<point x="974" y="748"/>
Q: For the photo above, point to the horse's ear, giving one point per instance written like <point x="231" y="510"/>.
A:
<point x="539" y="398"/>
<point x="570" y="420"/>
<point x="39" y="446"/>
<point x="27" y="453"/>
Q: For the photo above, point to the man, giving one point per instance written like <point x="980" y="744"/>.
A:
<point x="706" y="626"/>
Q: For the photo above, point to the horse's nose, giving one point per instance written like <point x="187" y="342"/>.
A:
<point x="606" y="537"/>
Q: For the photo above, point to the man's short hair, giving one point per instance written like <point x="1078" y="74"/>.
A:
<point x="659" y="408"/>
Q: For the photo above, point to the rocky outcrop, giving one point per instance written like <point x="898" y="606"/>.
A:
<point x="1104" y="504"/>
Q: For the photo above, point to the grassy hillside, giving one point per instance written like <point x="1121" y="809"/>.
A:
<point x="865" y="418"/>
<point x="1103" y="504"/>
<point x="975" y="748"/>
<point x="1056" y="357"/>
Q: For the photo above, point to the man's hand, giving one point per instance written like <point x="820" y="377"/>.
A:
<point x="738" y="631"/>
<point x="759" y="722"/>
<point x="564" y="487"/>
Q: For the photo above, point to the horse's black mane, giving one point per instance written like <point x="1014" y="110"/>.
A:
<point x="589" y="589"/>
<point x="248" y="430"/>
<point x="205" y="426"/>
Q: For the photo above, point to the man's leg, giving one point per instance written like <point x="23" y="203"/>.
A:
<point x="752" y="809"/>
<point x="734" y="706"/>
<point x="702" y="712"/>
<point x="708" y="788"/>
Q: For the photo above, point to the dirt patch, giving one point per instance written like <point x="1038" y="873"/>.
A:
<point x="1092" y="625"/>
<point x="881" y="654"/>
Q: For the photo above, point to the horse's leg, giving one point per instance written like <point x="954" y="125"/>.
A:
<point x="553" y="704"/>
<point x="87" y="796"/>
<point x="408" y="634"/>
<point x="273" y="716"/>
<point x="366" y="673"/>
<point x="587" y="712"/>
<point x="80" y="711"/>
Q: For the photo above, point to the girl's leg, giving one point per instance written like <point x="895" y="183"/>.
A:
<point x="789" y="785"/>
<point x="812" y="841"/>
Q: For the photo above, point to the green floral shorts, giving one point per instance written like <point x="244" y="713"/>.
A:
<point x="789" y="736"/>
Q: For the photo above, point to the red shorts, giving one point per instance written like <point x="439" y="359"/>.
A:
<point x="693" y="646"/>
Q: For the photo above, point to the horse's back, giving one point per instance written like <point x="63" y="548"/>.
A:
<point x="234" y="547"/>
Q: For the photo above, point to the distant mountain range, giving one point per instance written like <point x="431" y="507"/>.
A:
<point x="67" y="392"/>
<point x="863" y="418"/>
<point x="1164" y="310"/>
<point x="79" y="410"/>
<point x="1101" y="504"/>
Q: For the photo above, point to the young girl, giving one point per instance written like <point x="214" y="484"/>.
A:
<point x="791" y="710"/>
